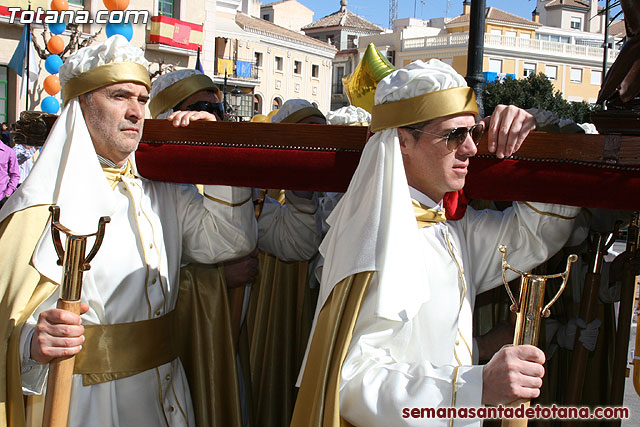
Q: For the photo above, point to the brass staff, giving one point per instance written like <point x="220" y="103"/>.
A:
<point x="530" y="310"/>
<point x="620" y="370"/>
<point x="74" y="262"/>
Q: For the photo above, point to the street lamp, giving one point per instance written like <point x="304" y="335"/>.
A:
<point x="236" y="100"/>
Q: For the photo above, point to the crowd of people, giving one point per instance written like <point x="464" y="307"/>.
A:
<point x="218" y="305"/>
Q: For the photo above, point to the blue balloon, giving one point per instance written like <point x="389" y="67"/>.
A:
<point x="58" y="27"/>
<point x="50" y="105"/>
<point x="52" y="64"/>
<point x="125" y="29"/>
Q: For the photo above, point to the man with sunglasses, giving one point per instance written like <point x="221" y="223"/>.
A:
<point x="393" y="327"/>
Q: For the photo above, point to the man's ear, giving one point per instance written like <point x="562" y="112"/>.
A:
<point x="404" y="136"/>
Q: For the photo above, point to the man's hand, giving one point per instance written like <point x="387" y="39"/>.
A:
<point x="58" y="333"/>
<point x="514" y="372"/>
<point x="183" y="118"/>
<point x="238" y="272"/>
<point x="508" y="126"/>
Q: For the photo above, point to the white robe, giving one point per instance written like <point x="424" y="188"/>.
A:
<point x="291" y="232"/>
<point x="426" y="361"/>
<point x="155" y="227"/>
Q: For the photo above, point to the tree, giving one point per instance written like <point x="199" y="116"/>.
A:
<point x="535" y="91"/>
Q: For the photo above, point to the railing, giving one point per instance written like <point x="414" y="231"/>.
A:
<point x="510" y="43"/>
<point x="233" y="70"/>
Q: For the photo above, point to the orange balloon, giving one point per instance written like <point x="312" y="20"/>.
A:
<point x="52" y="84"/>
<point x="59" y="5"/>
<point x="55" y="45"/>
<point x="116" y="4"/>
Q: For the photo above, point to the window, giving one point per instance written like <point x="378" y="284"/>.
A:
<point x="315" y="71"/>
<point x="495" y="65"/>
<point x="278" y="63"/>
<point x="297" y="67"/>
<point x="277" y="103"/>
<point x="576" y="75"/>
<point x="258" y="59"/>
<point x="496" y="32"/>
<point x="352" y="42"/>
<point x="4" y="104"/>
<point x="551" y="71"/>
<point x="576" y="23"/>
<point x="596" y="77"/>
<point x="266" y="17"/>
<point x="337" y="80"/>
<point x="525" y="36"/>
<point x="168" y="8"/>
<point x="510" y="33"/>
<point x="529" y="69"/>
<point x="76" y="2"/>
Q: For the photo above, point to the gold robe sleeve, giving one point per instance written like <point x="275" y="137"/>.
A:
<point x="23" y="290"/>
<point x="206" y="346"/>
<point x="318" y="403"/>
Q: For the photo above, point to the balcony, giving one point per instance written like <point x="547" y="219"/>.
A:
<point x="173" y="35"/>
<point x="243" y="70"/>
<point x="513" y="44"/>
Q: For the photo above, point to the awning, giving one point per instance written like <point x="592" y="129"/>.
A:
<point x="229" y="29"/>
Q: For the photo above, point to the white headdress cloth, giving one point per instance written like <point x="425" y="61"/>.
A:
<point x="290" y="107"/>
<point x="348" y="115"/>
<point x="68" y="173"/>
<point x="373" y="228"/>
<point x="163" y="81"/>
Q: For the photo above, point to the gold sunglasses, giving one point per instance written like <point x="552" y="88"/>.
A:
<point x="456" y="136"/>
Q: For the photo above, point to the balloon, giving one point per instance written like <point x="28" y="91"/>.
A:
<point x="259" y="118"/>
<point x="59" y="5"/>
<point x="125" y="29"/>
<point x="116" y="4"/>
<point x="271" y="114"/>
<point x="52" y="64"/>
<point x="50" y="105"/>
<point x="57" y="28"/>
<point x="55" y="45"/>
<point x="360" y="86"/>
<point x="52" y="84"/>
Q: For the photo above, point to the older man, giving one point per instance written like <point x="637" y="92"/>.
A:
<point x="88" y="169"/>
<point x="394" y="322"/>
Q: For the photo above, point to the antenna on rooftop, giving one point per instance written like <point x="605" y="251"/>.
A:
<point x="393" y="12"/>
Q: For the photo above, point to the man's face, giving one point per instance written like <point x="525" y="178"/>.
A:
<point x="115" y="116"/>
<point x="430" y="167"/>
<point x="203" y="95"/>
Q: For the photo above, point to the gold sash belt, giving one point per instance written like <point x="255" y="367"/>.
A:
<point x="111" y="352"/>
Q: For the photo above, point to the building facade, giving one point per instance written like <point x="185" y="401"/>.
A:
<point x="571" y="57"/>
<point x="343" y="30"/>
<point x="266" y="63"/>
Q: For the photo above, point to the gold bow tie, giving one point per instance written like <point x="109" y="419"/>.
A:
<point x="427" y="216"/>
<point x="114" y="175"/>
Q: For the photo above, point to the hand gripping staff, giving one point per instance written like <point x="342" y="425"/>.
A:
<point x="530" y="310"/>
<point x="73" y="261"/>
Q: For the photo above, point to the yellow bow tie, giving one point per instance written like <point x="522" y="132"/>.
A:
<point x="427" y="216"/>
<point x="114" y="175"/>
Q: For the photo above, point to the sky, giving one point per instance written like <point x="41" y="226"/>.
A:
<point x="377" y="11"/>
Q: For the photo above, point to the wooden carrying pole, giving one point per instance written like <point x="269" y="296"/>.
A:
<point x="588" y="310"/>
<point x="74" y="263"/>
<point x="530" y="310"/>
<point x="624" y="318"/>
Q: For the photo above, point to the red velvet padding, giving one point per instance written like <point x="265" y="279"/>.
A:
<point x="562" y="183"/>
<point x="248" y="167"/>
